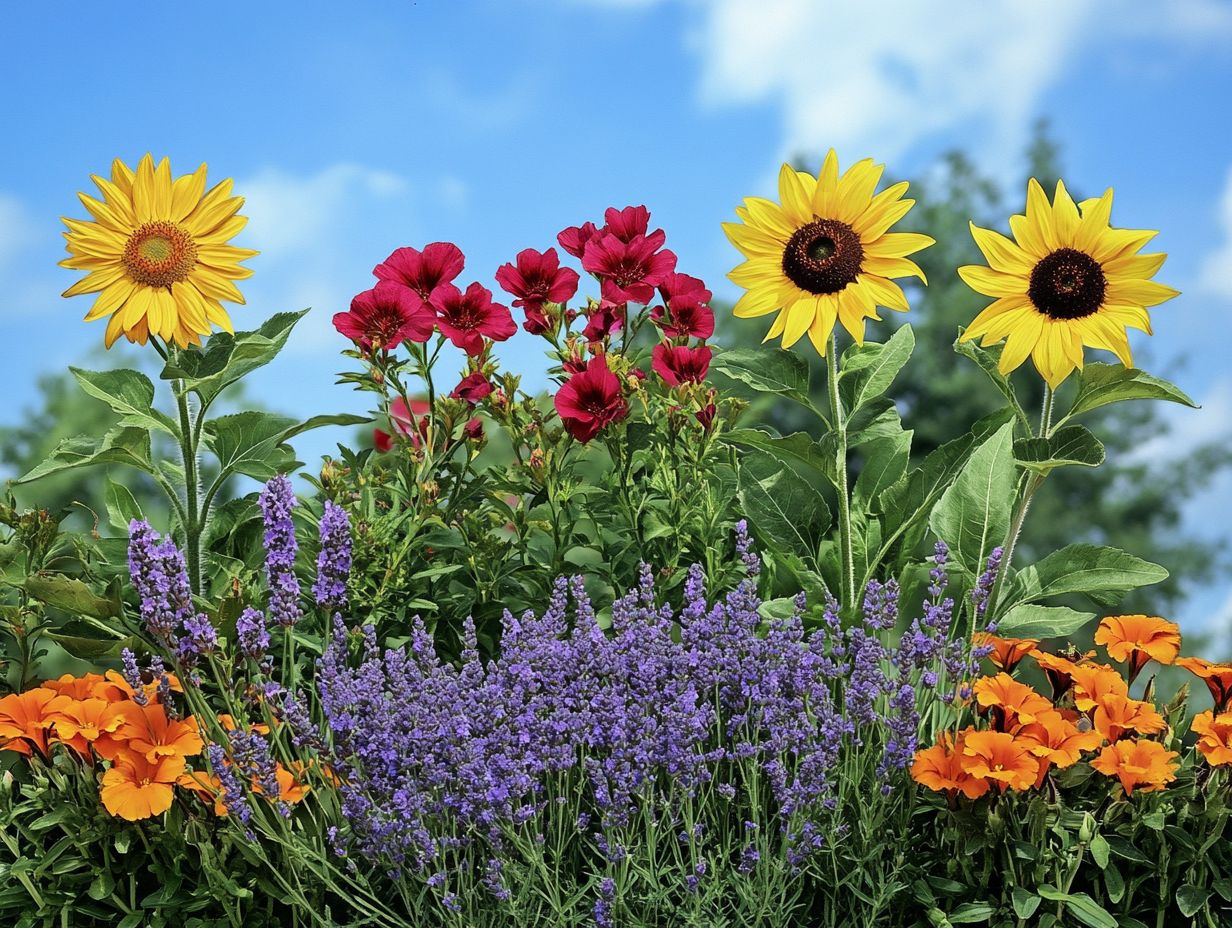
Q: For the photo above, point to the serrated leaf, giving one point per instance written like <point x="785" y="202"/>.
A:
<point x="868" y="370"/>
<point x="1068" y="445"/>
<point x="786" y="512"/>
<point x="1102" y="572"/>
<point x="225" y="358"/>
<point x="1101" y="384"/>
<point x="89" y="649"/>
<point x="766" y="370"/>
<point x="798" y="450"/>
<point x="885" y="462"/>
<point x="249" y="443"/>
<point x="70" y="595"/>
<point x="973" y="515"/>
<point x="122" y="445"/>
<point x="1027" y="620"/>
<point x="130" y="394"/>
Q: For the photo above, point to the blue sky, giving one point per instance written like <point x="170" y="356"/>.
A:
<point x="353" y="129"/>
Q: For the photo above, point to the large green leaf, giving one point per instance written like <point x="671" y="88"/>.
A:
<point x="89" y="649"/>
<point x="885" y="461"/>
<point x="122" y="445"/>
<point x="122" y="506"/>
<point x="786" y="512"/>
<point x="869" y="369"/>
<point x="1070" y="444"/>
<point x="130" y="394"/>
<point x="798" y="450"/>
<point x="249" y="443"/>
<point x="988" y="360"/>
<point x="1028" y="620"/>
<point x="71" y="595"/>
<point x="766" y="370"/>
<point x="1101" y="384"/>
<point x="1083" y="908"/>
<point x="1103" y="573"/>
<point x="225" y="358"/>
<point x="973" y="515"/>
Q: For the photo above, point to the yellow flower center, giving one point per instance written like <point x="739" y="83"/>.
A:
<point x="159" y="254"/>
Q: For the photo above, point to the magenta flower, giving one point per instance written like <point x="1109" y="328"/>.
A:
<point x="472" y="388"/>
<point x="386" y="316"/>
<point x="574" y="238"/>
<point x="466" y="319"/>
<point x="424" y="272"/>
<point x="591" y="400"/>
<point x="631" y="270"/>
<point x="678" y="364"/>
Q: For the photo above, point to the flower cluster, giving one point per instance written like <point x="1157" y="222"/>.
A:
<point x="667" y="707"/>
<point x="1026" y="734"/>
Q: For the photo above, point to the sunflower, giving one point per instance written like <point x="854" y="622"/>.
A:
<point x="157" y="253"/>
<point x="824" y="253"/>
<point x="1068" y="279"/>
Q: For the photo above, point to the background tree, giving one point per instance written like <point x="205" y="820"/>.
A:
<point x="1133" y="503"/>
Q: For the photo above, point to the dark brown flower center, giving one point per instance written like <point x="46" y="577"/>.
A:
<point x="159" y="254"/>
<point x="823" y="256"/>
<point x="1067" y="284"/>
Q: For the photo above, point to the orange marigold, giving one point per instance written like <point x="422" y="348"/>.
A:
<point x="1138" y="639"/>
<point x="1057" y="741"/>
<point x="940" y="768"/>
<point x="1217" y="677"/>
<point x="88" y="723"/>
<point x="1116" y="714"/>
<point x="1000" y="757"/>
<point x="87" y="686"/>
<point x="136" y="788"/>
<point x="24" y="721"/>
<point x="1215" y="737"/>
<point x="1006" y="652"/>
<point x="1091" y="682"/>
<point x="1012" y="703"/>
<point x="1141" y="765"/>
<point x="149" y="731"/>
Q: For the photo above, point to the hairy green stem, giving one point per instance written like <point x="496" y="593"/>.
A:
<point x="838" y="423"/>
<point x="194" y="517"/>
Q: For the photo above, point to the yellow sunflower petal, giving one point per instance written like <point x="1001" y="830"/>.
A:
<point x="1002" y="254"/>
<point x="823" y="323"/>
<point x="985" y="323"/>
<point x="757" y="301"/>
<point x="756" y="271"/>
<point x="898" y="244"/>
<point x="985" y="280"/>
<point x="1039" y="215"/>
<point x="796" y="204"/>
<point x="766" y="216"/>
<point x="893" y="267"/>
<point x="851" y="316"/>
<point x="1134" y="265"/>
<point x="1094" y="222"/>
<point x="753" y="242"/>
<point x="96" y="280"/>
<point x="799" y="317"/>
<point x="1139" y="292"/>
<point x="1064" y="216"/>
<point x="887" y="208"/>
<point x="186" y="193"/>
<point x="1021" y="342"/>
<point x="825" y="197"/>
<point x="111" y="299"/>
<point x="885" y="292"/>
<point x="855" y="189"/>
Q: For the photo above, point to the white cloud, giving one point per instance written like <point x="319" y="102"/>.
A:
<point x="315" y="233"/>
<point x="1216" y="274"/>
<point x="1184" y="429"/>
<point x="882" y="76"/>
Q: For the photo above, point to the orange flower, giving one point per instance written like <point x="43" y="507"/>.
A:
<point x="1138" y="639"/>
<point x="149" y="732"/>
<point x="86" y="723"/>
<point x="1091" y="682"/>
<point x="136" y="788"/>
<point x="150" y="689"/>
<point x="1217" y="677"/>
<point x="207" y="786"/>
<point x="290" y="790"/>
<point x="940" y="768"/>
<point x="1006" y="652"/>
<point x="1142" y="765"/>
<point x="87" y="686"/>
<point x="1215" y="741"/>
<point x="999" y="756"/>
<point x="229" y="724"/>
<point x="1059" y="670"/>
<point x="1012" y="703"/>
<point x="24" y="722"/>
<point x="1056" y="741"/>
<point x="1116" y="714"/>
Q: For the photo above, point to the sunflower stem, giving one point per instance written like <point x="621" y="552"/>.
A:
<point x="838" y="422"/>
<point x="193" y="516"/>
<point x="1028" y="487"/>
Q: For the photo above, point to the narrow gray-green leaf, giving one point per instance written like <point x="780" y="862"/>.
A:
<point x="1028" y="620"/>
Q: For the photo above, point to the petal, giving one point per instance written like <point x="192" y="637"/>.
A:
<point x="823" y="323"/>
<point x="757" y="301"/>
<point x="1064" y="217"/>
<point x="799" y="317"/>
<point x="992" y="283"/>
<point x="767" y="216"/>
<point x="1094" y="222"/>
<point x="1139" y="292"/>
<point x="825" y="198"/>
<point x="892" y="267"/>
<point x="887" y="208"/>
<point x="855" y="189"/>
<point x="1039" y="215"/>
<point x="756" y="271"/>
<point x="884" y="292"/>
<point x="752" y="241"/>
<point x="796" y="204"/>
<point x="898" y="244"/>
<point x="186" y="193"/>
<point x="1002" y="254"/>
